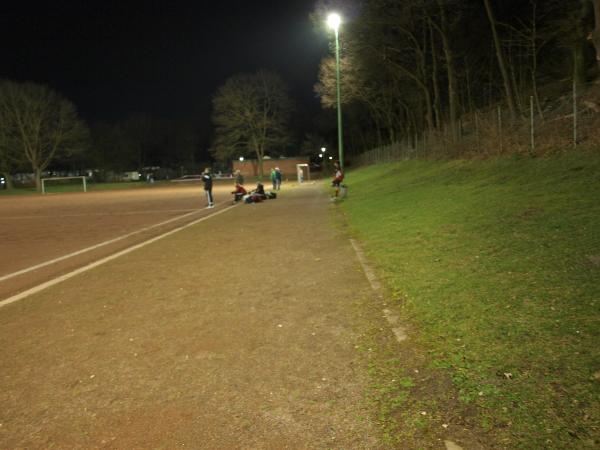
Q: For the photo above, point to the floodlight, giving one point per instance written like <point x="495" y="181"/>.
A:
<point x="333" y="21"/>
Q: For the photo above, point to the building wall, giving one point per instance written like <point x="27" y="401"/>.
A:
<point x="287" y="166"/>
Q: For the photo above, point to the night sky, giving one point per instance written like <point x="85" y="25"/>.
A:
<point x="167" y="58"/>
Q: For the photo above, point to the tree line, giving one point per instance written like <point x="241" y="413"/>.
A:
<point x="40" y="129"/>
<point x="417" y="66"/>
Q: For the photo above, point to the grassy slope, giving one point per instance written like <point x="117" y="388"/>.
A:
<point x="498" y="265"/>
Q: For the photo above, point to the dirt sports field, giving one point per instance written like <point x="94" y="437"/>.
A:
<point x="234" y="332"/>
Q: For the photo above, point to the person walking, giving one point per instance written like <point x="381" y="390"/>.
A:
<point x="277" y="178"/>
<point x="208" y="181"/>
<point x="338" y="177"/>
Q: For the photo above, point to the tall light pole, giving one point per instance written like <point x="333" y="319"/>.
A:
<point x="334" y="20"/>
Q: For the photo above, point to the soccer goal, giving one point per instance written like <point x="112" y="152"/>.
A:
<point x="303" y="172"/>
<point x="64" y="184"/>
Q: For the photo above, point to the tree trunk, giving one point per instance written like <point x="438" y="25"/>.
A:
<point x="471" y="105"/>
<point x="595" y="35"/>
<point x="452" y="90"/>
<point x="534" y="60"/>
<point x="579" y="44"/>
<point x="38" y="179"/>
<point x="510" y="98"/>
<point x="434" y="80"/>
<point x="424" y="88"/>
<point x="260" y="153"/>
<point x="512" y="64"/>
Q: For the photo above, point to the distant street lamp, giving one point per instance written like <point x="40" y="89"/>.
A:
<point x="323" y="149"/>
<point x="334" y="20"/>
<point x="241" y="158"/>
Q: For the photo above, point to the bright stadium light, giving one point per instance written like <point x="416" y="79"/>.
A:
<point x="333" y="21"/>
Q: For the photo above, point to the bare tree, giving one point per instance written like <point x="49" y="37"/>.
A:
<point x="8" y="156"/>
<point x="42" y="125"/>
<point x="595" y="34"/>
<point x="251" y="114"/>
<point x="450" y="70"/>
<point x="510" y="96"/>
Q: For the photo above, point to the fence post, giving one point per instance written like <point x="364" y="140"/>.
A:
<point x="574" y="113"/>
<point x="500" y="128"/>
<point x="477" y="132"/>
<point x="532" y="150"/>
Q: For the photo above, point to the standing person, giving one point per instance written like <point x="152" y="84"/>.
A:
<point x="273" y="178"/>
<point x="239" y="178"/>
<point x="207" y="179"/>
<point x="277" y="178"/>
<point x="338" y="177"/>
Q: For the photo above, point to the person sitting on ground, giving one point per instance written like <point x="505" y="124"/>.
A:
<point x="239" y="192"/>
<point x="257" y="195"/>
<point x="260" y="190"/>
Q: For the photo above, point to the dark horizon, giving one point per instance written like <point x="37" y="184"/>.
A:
<point x="113" y="60"/>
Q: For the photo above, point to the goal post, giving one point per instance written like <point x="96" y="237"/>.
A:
<point x="303" y="175"/>
<point x="64" y="184"/>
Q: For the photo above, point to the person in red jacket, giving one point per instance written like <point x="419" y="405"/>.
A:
<point x="239" y="192"/>
<point x="338" y="177"/>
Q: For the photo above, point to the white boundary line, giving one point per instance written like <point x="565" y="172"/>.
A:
<point x="93" y="247"/>
<point x="375" y="284"/>
<point x="399" y="331"/>
<point x="66" y="276"/>
<point x="131" y="213"/>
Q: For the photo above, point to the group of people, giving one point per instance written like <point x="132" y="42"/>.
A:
<point x="240" y="193"/>
<point x="259" y="194"/>
<point x="276" y="178"/>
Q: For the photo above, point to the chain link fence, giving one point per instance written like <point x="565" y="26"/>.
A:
<point x="549" y="125"/>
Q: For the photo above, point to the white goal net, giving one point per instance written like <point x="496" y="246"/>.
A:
<point x="64" y="184"/>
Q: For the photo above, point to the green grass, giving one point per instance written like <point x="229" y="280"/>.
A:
<point x="497" y="264"/>
<point x="123" y="185"/>
<point x="77" y="187"/>
<point x="17" y="191"/>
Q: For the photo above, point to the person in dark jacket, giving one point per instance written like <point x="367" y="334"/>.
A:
<point x="257" y="195"/>
<point x="239" y="178"/>
<point x="277" y="178"/>
<point x="208" y="181"/>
